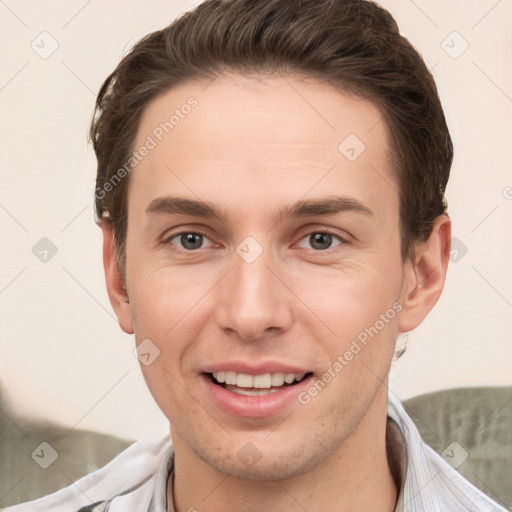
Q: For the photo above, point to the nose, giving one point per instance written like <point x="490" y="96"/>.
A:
<point x="253" y="301"/>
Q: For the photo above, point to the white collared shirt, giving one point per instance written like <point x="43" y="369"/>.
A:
<point x="136" y="480"/>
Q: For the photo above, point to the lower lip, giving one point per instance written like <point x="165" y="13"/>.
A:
<point x="259" y="406"/>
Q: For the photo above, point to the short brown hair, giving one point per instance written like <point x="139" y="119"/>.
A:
<point x="353" y="45"/>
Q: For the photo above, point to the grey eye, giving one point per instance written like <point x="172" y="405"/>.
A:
<point x="320" y="241"/>
<point x="189" y="240"/>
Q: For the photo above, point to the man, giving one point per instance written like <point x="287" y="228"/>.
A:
<point x="270" y="188"/>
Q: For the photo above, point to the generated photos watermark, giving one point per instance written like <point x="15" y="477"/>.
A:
<point x="357" y="345"/>
<point x="157" y="135"/>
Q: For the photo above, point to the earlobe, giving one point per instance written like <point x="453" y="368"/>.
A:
<point x="425" y="276"/>
<point x="115" y="283"/>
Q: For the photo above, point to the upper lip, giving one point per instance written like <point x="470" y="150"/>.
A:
<point x="254" y="368"/>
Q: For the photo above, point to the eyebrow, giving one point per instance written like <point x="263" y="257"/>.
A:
<point x="171" y="205"/>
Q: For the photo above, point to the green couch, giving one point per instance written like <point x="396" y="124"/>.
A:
<point x="471" y="427"/>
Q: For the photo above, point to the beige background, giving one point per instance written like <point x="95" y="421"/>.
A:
<point x="63" y="356"/>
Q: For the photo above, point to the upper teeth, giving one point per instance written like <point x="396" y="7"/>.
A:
<point x="266" y="380"/>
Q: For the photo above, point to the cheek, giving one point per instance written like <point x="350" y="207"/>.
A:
<point x="360" y="305"/>
<point x="363" y="316"/>
<point x="163" y="298"/>
<point x="167" y="311"/>
<point x="351" y="298"/>
<point x="169" y="308"/>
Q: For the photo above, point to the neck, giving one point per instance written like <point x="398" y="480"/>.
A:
<point x="356" y="477"/>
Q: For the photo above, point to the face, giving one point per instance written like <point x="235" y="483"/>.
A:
<point x="263" y="262"/>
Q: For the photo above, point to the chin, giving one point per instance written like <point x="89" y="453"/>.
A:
<point x="270" y="463"/>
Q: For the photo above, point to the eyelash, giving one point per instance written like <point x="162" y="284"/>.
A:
<point x="343" y="241"/>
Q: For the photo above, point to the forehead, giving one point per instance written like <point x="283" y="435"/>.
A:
<point x="277" y="135"/>
<point x="291" y="111"/>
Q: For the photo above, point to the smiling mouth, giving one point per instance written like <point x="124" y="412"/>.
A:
<point x="256" y="385"/>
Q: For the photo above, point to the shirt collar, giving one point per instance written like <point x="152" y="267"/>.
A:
<point x="417" y="489"/>
<point x="165" y="471"/>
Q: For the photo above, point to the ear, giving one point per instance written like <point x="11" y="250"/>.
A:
<point x="115" y="284"/>
<point x="425" y="275"/>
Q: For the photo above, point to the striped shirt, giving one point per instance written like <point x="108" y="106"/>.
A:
<point x="136" y="480"/>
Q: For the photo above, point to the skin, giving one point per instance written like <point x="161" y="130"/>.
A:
<point x="251" y="147"/>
